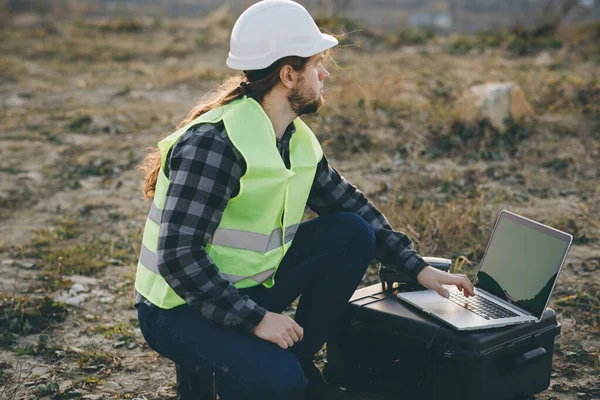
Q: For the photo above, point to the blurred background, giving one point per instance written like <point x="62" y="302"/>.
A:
<point x="442" y="112"/>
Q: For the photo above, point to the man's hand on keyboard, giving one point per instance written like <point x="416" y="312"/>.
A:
<point x="433" y="278"/>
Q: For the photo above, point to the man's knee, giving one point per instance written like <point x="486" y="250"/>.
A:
<point x="284" y="382"/>
<point x="361" y="233"/>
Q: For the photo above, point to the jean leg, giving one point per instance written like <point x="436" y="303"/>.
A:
<point x="245" y="367"/>
<point x="325" y="264"/>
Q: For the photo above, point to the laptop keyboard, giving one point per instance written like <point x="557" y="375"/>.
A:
<point x="481" y="306"/>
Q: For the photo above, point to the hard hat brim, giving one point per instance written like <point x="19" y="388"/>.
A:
<point x="248" y="64"/>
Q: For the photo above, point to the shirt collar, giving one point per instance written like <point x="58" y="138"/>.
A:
<point x="289" y="131"/>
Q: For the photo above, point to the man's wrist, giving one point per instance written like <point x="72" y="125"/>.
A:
<point x="425" y="268"/>
<point x="417" y="264"/>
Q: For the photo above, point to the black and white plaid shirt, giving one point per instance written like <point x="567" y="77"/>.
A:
<point x="204" y="170"/>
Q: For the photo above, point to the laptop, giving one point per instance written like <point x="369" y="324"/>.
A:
<point x="514" y="281"/>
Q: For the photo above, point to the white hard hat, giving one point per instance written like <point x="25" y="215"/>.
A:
<point x="273" y="29"/>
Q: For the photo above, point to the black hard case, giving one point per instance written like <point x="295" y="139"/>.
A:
<point x="388" y="347"/>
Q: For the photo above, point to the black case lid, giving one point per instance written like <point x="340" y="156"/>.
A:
<point x="374" y="307"/>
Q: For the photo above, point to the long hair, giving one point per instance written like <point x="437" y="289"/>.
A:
<point x="255" y="84"/>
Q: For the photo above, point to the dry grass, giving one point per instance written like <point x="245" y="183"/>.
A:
<point x="87" y="97"/>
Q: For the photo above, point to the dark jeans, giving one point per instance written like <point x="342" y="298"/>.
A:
<point x="325" y="264"/>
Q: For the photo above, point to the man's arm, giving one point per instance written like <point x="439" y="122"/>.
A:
<point x="204" y="172"/>
<point x="333" y="193"/>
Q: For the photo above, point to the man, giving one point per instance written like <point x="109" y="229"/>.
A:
<point x="224" y="250"/>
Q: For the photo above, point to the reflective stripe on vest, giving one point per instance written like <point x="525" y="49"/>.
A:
<point x="238" y="239"/>
<point x="148" y="260"/>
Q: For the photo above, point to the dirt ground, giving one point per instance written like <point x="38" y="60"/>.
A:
<point x="82" y="100"/>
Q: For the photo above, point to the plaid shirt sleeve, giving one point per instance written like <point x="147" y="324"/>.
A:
<point x="204" y="171"/>
<point x="331" y="192"/>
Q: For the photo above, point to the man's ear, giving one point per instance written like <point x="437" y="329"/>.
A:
<point x="288" y="76"/>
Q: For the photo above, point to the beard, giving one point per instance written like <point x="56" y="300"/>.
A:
<point x="304" y="101"/>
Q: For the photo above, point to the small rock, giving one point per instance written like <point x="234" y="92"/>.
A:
<point x="591" y="173"/>
<point x="84" y="280"/>
<point x="581" y="395"/>
<point x="8" y="262"/>
<point x="76" y="301"/>
<point x="511" y="180"/>
<point x="65" y="385"/>
<point x="40" y="370"/>
<point x="78" y="288"/>
<point x="75" y="350"/>
<point x="14" y="101"/>
<point x="76" y="393"/>
<point x="119" y="343"/>
<point x="93" y="396"/>
<point x="107" y="299"/>
<point x="27" y="264"/>
<point x="112" y="385"/>
<point x="543" y="60"/>
<point x="35" y="176"/>
<point x="494" y="102"/>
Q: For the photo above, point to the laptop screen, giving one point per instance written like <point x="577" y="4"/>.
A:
<point x="522" y="261"/>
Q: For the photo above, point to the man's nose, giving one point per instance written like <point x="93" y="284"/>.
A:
<point x="324" y="73"/>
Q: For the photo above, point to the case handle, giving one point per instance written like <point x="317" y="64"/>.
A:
<point x="531" y="356"/>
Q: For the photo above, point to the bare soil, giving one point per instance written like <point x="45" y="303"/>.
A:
<point x="81" y="101"/>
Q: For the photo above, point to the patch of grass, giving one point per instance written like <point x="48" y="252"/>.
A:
<point x="51" y="281"/>
<point x="450" y="228"/>
<point x="411" y="37"/>
<point x="117" y="25"/>
<point x="11" y="70"/>
<point x="17" y="197"/>
<point x="583" y="301"/>
<point x="130" y="25"/>
<point x="121" y="332"/>
<point x="518" y="41"/>
<point x="98" y="362"/>
<point x="80" y="124"/>
<point x="5" y="376"/>
<point x="557" y="164"/>
<point x="82" y="259"/>
<point x="68" y="248"/>
<point x="479" y="142"/>
<point x="42" y="348"/>
<point x="64" y="229"/>
<point x="574" y="351"/>
<point x="89" y="383"/>
<point x="461" y="45"/>
<point x="25" y="315"/>
<point x="50" y="388"/>
<point x="582" y="228"/>
<point x="51" y="137"/>
<point x="11" y="171"/>
<point x="589" y="98"/>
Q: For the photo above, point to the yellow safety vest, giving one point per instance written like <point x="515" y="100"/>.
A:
<point x="259" y="224"/>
